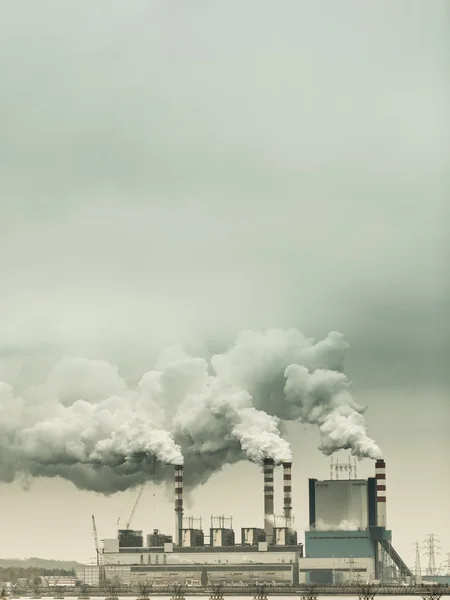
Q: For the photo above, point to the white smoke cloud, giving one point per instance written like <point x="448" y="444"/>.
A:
<point x="111" y="443"/>
<point x="87" y="424"/>
<point x="344" y="525"/>
<point x="215" y="418"/>
<point x="322" y="398"/>
<point x="115" y="438"/>
<point x="291" y="377"/>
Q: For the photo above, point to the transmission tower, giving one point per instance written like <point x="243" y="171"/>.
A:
<point x="417" y="567"/>
<point x="432" y="549"/>
<point x="447" y="564"/>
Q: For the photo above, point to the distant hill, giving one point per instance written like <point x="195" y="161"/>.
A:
<point x="37" y="563"/>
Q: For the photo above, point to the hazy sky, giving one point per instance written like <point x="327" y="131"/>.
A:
<point x="177" y="172"/>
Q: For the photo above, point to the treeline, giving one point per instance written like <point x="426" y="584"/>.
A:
<point x="31" y="574"/>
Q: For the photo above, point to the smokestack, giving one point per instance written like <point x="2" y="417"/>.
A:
<point x="178" y="504"/>
<point x="287" y="490"/>
<point x="380" y="476"/>
<point x="268" y="499"/>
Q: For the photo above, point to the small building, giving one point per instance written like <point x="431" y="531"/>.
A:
<point x="251" y="536"/>
<point x="58" y="581"/>
<point x="157" y="539"/>
<point x="130" y="538"/>
<point x="192" y="538"/>
<point x="328" y="571"/>
<point x="221" y="537"/>
<point x="284" y="536"/>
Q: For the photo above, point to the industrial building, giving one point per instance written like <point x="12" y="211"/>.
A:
<point x="347" y="540"/>
<point x="347" y="520"/>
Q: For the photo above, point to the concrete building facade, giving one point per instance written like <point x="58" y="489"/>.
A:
<point x="169" y="564"/>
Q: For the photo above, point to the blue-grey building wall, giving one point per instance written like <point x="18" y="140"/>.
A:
<point x="338" y="544"/>
<point x="441" y="579"/>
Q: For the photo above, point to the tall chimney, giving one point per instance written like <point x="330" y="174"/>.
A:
<point x="178" y="504"/>
<point x="287" y="490"/>
<point x="268" y="499"/>
<point x="380" y="476"/>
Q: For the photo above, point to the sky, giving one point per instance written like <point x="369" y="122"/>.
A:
<point x="175" y="173"/>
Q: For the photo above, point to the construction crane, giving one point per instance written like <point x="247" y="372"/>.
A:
<point x="101" y="568"/>
<point x="139" y="496"/>
<point x="141" y="491"/>
<point x="97" y="547"/>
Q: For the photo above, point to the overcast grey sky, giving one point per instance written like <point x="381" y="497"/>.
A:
<point x="176" y="172"/>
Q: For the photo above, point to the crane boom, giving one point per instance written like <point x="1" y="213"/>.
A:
<point x="141" y="491"/>
<point x="101" y="568"/>
<point x="97" y="548"/>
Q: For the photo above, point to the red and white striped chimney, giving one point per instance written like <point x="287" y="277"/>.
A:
<point x="380" y="476"/>
<point x="268" y="469"/>
<point x="178" y="504"/>
<point x="287" y="491"/>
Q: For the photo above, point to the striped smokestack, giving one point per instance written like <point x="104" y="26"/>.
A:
<point x="287" y="491"/>
<point x="178" y="504"/>
<point x="380" y="476"/>
<point x="268" y="499"/>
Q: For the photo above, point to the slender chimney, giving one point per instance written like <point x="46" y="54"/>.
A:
<point x="380" y="476"/>
<point x="268" y="499"/>
<point x="178" y="504"/>
<point x="287" y="491"/>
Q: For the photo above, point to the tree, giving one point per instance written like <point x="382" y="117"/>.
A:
<point x="204" y="577"/>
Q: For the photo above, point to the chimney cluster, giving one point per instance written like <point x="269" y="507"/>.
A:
<point x="269" y="517"/>
<point x="268" y="470"/>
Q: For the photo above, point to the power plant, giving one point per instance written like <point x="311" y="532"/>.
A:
<point x="347" y="540"/>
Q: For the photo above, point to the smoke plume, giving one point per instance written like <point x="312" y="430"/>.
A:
<point x="296" y="380"/>
<point x="86" y="424"/>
